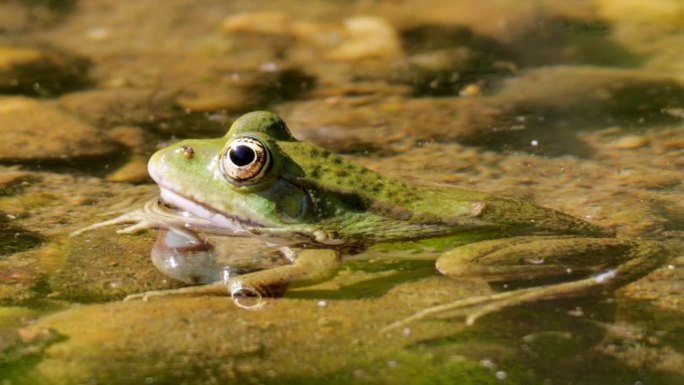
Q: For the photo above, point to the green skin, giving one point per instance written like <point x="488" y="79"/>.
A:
<point x="322" y="207"/>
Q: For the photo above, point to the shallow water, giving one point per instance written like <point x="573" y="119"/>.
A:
<point x="575" y="105"/>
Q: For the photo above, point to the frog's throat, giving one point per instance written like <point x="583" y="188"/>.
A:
<point x="197" y="216"/>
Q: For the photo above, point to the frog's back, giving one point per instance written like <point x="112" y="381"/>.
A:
<point x="451" y="210"/>
<point x="515" y="216"/>
<point x="392" y="208"/>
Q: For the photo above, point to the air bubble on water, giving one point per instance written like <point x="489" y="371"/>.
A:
<point x="487" y="363"/>
<point x="216" y="117"/>
<point x="245" y="296"/>
<point x="534" y="142"/>
<point x="268" y="67"/>
<point x="576" y="312"/>
<point x="606" y="276"/>
<point x="98" y="34"/>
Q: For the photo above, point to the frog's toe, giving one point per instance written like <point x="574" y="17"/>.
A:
<point x="216" y="288"/>
<point x="136" y="216"/>
<point x="135" y="297"/>
<point x="146" y="296"/>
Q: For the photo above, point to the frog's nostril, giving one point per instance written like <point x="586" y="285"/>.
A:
<point x="187" y="152"/>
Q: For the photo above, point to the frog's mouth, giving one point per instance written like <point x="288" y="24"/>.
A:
<point x="173" y="210"/>
<point x="195" y="216"/>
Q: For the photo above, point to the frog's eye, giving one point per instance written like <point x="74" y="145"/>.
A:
<point x="245" y="159"/>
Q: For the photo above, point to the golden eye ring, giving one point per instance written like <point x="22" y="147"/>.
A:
<point x="245" y="159"/>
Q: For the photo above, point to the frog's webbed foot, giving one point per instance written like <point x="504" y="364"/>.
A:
<point x="137" y="217"/>
<point x="475" y="307"/>
<point x="535" y="257"/>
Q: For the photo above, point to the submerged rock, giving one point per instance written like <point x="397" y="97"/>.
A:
<point x="661" y="289"/>
<point x="444" y="72"/>
<point x="647" y="333"/>
<point x="99" y="268"/>
<point x="12" y="179"/>
<point x="34" y="131"/>
<point x="444" y="59"/>
<point x="210" y="340"/>
<point x="630" y="142"/>
<point x="357" y="124"/>
<point x="245" y="90"/>
<point x="118" y="106"/>
<point x="40" y="71"/>
<point x="367" y="37"/>
<point x="598" y="96"/>
<point x="550" y="106"/>
<point x="661" y="13"/>
<point x="356" y="38"/>
<point x="17" y="16"/>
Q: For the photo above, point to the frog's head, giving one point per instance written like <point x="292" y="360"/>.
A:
<point x="257" y="179"/>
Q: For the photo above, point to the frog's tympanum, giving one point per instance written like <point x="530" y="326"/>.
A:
<point x="316" y="208"/>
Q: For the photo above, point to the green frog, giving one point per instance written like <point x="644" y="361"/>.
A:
<point x="315" y="208"/>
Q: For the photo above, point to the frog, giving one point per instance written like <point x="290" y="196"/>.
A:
<point x="317" y="209"/>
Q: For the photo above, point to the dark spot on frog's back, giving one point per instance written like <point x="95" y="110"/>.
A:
<point x="315" y="172"/>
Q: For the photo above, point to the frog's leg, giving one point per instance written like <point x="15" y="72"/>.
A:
<point x="309" y="266"/>
<point x="618" y="260"/>
<point x="533" y="257"/>
<point x="137" y="217"/>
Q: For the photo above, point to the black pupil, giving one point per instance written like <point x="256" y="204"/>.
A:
<point x="241" y="155"/>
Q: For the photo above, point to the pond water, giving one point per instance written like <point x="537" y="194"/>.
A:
<point x="573" y="105"/>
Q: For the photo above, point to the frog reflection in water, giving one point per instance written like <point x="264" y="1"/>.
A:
<point x="315" y="207"/>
